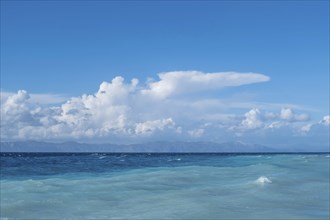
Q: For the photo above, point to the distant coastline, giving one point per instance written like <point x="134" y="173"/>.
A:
<point x="154" y="147"/>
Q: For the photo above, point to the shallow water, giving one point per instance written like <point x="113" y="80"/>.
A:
<point x="165" y="186"/>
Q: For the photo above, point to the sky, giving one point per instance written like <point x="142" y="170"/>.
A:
<point x="136" y="71"/>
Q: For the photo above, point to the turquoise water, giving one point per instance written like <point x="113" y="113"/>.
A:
<point x="165" y="186"/>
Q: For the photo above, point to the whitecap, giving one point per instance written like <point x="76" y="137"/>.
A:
<point x="263" y="180"/>
<point x="327" y="156"/>
<point x="101" y="157"/>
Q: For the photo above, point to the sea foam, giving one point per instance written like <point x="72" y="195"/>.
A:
<point x="263" y="180"/>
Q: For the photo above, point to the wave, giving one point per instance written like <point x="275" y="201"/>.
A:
<point x="176" y="159"/>
<point x="263" y="180"/>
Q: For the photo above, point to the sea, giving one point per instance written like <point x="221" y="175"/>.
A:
<point x="164" y="186"/>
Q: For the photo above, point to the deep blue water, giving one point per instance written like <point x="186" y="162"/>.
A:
<point x="37" y="165"/>
<point x="164" y="186"/>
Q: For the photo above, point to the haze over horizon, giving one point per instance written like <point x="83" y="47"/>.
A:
<point x="133" y="72"/>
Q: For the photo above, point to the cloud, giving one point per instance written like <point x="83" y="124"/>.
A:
<point x="17" y="113"/>
<point x="323" y="124"/>
<point x="306" y="128"/>
<point x="289" y="115"/>
<point x="325" y="120"/>
<point x="149" y="127"/>
<point x="255" y="119"/>
<point x="320" y="132"/>
<point x="252" y="119"/>
<point x="43" y="99"/>
<point x="182" y="82"/>
<point x="165" y="109"/>
<point x="113" y="111"/>
<point x="16" y="105"/>
<point x="196" y="133"/>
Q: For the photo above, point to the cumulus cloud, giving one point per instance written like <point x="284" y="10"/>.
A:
<point x="114" y="110"/>
<point x="104" y="112"/>
<point x="325" y="120"/>
<point x="252" y="119"/>
<point x="255" y="119"/>
<point x="16" y="106"/>
<point x="319" y="130"/>
<point x="149" y="127"/>
<point x="196" y="133"/>
<point x="121" y="110"/>
<point x="181" y="82"/>
<point x="43" y="99"/>
<point x="320" y="126"/>
<point x="306" y="128"/>
<point x="17" y="113"/>
<point x="289" y="115"/>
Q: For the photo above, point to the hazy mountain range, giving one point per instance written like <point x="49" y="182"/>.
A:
<point x="161" y="147"/>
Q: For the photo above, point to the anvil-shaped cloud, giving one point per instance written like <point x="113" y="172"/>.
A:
<point x="183" y="82"/>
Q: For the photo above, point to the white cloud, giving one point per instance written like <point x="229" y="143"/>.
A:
<point x="149" y="127"/>
<point x="325" y="120"/>
<point x="18" y="113"/>
<point x="289" y="115"/>
<point x="128" y="111"/>
<point x="276" y="124"/>
<point x="255" y="119"/>
<point x="196" y="133"/>
<point x="16" y="105"/>
<point x="112" y="111"/>
<point x="182" y="82"/>
<point x="317" y="129"/>
<point x="252" y="120"/>
<point x="306" y="128"/>
<point x="43" y="99"/>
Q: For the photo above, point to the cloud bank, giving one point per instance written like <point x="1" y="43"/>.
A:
<point x="163" y="109"/>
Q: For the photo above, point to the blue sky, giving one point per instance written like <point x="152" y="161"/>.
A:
<point x="63" y="49"/>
